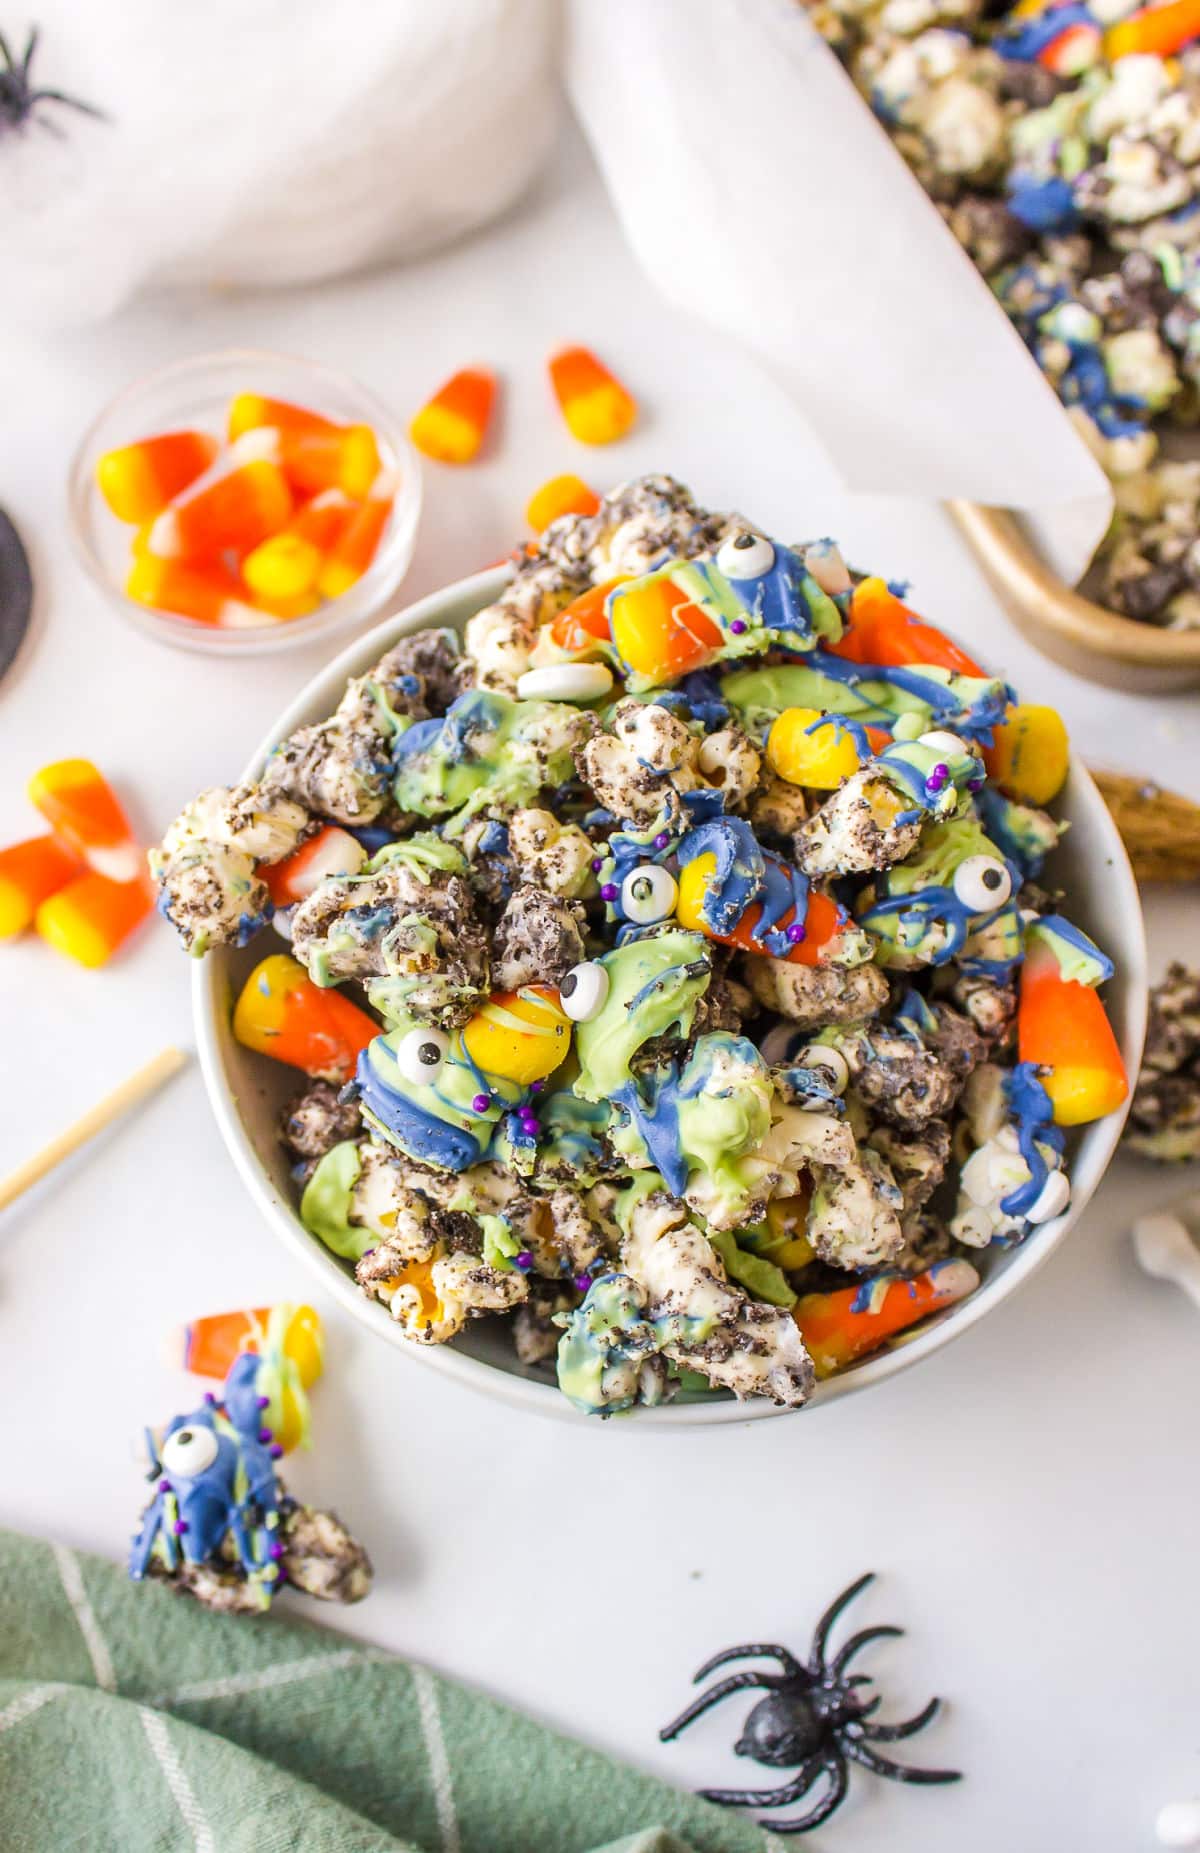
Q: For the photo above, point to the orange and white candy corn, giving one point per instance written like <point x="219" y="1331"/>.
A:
<point x="81" y="807"/>
<point x="231" y="510"/>
<point x="92" y="917"/>
<point x="288" y="564"/>
<point x="330" y="852"/>
<point x="138" y="480"/>
<point x="206" y="594"/>
<point x="288" y="1340"/>
<point x="596" y="406"/>
<point x="283" y="1014"/>
<point x="357" y="544"/>
<point x="29" y="873"/>
<point x="250" y="411"/>
<point x="451" y="427"/>
<point x="562" y="495"/>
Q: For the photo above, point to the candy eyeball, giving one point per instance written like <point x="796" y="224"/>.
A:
<point x="583" y="991"/>
<point x="942" y="741"/>
<point x="982" y="884"/>
<point x="1052" y="1199"/>
<point x="419" y="1056"/>
<point x="829" y="1063"/>
<point x="745" y="556"/>
<point x="778" y="1043"/>
<point x="189" y="1451"/>
<point x="648" y="894"/>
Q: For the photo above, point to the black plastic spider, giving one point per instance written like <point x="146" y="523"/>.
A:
<point x="18" y="98"/>
<point x="812" y="1717"/>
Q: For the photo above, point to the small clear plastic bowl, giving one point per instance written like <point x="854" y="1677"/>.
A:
<point x="196" y="393"/>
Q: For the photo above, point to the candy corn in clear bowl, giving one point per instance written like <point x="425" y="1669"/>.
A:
<point x="245" y="501"/>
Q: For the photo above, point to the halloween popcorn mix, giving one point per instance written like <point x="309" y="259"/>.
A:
<point x="1060" y="140"/>
<point x="669" y="967"/>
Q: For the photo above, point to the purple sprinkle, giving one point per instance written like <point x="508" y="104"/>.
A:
<point x="661" y="840"/>
<point x="179" y="1527"/>
<point x="482" y="1102"/>
<point x="266" y="1434"/>
<point x="277" y="1550"/>
<point x="535" y="1087"/>
<point x="283" y="1575"/>
<point x="365" y="1253"/>
<point x="609" y="891"/>
<point x="164" y="1486"/>
<point x="583" y="1282"/>
<point x="976" y="784"/>
<point x="275" y="1451"/>
<point x="597" y="864"/>
<point x="738" y="626"/>
<point x="524" y="1260"/>
<point x="209" y="1398"/>
<point x="796" y="932"/>
<point x="941" y="771"/>
<point x="263" y="1402"/>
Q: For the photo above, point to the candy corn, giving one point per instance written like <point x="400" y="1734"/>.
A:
<point x="1029" y="754"/>
<point x="208" y="1346"/>
<point x="356" y="545"/>
<point x="29" y="872"/>
<point x="1160" y="30"/>
<point x="290" y="1345"/>
<point x="92" y="916"/>
<point x="289" y="563"/>
<point x="330" y="852"/>
<point x="562" y="495"/>
<point x="839" y="1327"/>
<point x="139" y="480"/>
<point x="1063" y="1027"/>
<point x="659" y="629"/>
<point x="206" y="594"/>
<point x="583" y="624"/>
<point x="807" y="747"/>
<point x="233" y="512"/>
<point x="282" y="1013"/>
<point x="594" y="403"/>
<point x="81" y="807"/>
<point x="250" y="411"/>
<point x="287" y="513"/>
<point x="345" y="457"/>
<point x="822" y="919"/>
<point x="451" y="427"/>
<point x="882" y="630"/>
<point x="519" y="1036"/>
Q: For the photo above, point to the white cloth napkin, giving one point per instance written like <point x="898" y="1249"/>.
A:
<point x="759" y="192"/>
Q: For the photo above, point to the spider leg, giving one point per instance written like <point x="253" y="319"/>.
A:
<point x="737" y="1682"/>
<point x="889" y="1733"/>
<point x="789" y="1791"/>
<point x="823" y="1627"/>
<point x="855" y="1644"/>
<point x="899" y="1772"/>
<point x="10" y="63"/>
<point x="57" y="96"/>
<point x="31" y="45"/>
<point x="787" y="1661"/>
<point x="833" y="1798"/>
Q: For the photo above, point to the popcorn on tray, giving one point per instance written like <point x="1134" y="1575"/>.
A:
<point x="694" y="1023"/>
<point x="1061" y="142"/>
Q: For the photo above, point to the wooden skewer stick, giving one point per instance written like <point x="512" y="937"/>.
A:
<point x="146" y="1081"/>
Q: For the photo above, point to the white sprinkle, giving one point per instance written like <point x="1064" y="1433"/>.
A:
<point x="565" y="682"/>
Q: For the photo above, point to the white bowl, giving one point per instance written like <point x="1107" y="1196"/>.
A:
<point x="248" y="1092"/>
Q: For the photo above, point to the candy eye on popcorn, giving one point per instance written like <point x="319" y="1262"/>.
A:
<point x="676" y="1030"/>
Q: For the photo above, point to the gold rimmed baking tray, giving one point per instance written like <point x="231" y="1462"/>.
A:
<point x="1066" y="624"/>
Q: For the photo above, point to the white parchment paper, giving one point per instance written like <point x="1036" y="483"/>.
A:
<point x="759" y="192"/>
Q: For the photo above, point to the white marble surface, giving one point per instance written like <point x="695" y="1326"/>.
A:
<point x="1029" y="1496"/>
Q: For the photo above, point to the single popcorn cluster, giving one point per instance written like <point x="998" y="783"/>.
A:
<point x="658" y="960"/>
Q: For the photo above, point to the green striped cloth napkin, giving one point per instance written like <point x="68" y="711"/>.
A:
<point x="132" y="1719"/>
